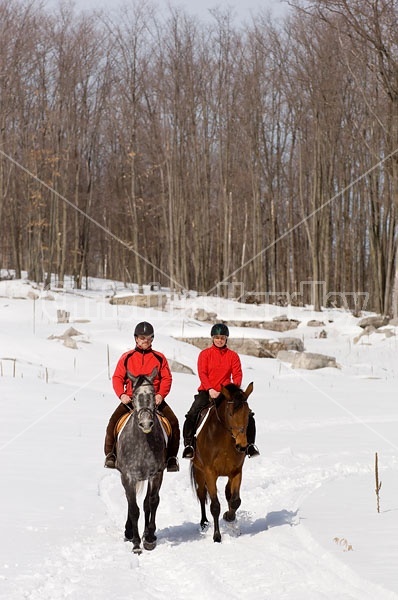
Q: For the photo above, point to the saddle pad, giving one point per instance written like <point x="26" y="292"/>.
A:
<point x="165" y="425"/>
<point x="163" y="421"/>
<point x="122" y="422"/>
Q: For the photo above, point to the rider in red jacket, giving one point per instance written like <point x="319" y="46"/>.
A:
<point x="142" y="361"/>
<point x="217" y="366"/>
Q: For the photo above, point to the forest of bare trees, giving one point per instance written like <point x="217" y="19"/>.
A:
<point x="141" y="146"/>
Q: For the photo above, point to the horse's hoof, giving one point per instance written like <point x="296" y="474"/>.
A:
<point x="137" y="550"/>
<point x="217" y="537"/>
<point x="149" y="545"/>
<point x="228" y="517"/>
<point x="204" y="526"/>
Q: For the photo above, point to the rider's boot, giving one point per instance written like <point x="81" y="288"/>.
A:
<point x="252" y="451"/>
<point x="189" y="450"/>
<point x="110" y="461"/>
<point x="188" y="433"/>
<point x="172" y="464"/>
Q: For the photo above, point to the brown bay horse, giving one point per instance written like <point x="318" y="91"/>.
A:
<point x="220" y="452"/>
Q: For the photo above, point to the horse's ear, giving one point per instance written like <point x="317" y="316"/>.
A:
<point x="248" y="390"/>
<point x="132" y="378"/>
<point x="226" y="393"/>
<point x="153" y="374"/>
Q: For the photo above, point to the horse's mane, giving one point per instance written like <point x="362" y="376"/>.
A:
<point x="232" y="388"/>
<point x="143" y="380"/>
<point x="236" y="394"/>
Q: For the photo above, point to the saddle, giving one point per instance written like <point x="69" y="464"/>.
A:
<point x="165" y="423"/>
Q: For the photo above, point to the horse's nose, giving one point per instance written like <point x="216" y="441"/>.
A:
<point x="146" y="425"/>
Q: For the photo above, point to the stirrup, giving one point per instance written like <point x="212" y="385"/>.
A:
<point x="110" y="461"/>
<point x="252" y="450"/>
<point x="188" y="452"/>
<point x="172" y="464"/>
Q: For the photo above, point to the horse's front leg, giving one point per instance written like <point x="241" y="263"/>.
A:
<point x="151" y="504"/>
<point x="131" y="528"/>
<point x="211" y="482"/>
<point x="232" y="494"/>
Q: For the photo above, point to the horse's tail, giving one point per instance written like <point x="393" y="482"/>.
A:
<point x="139" y="486"/>
<point x="192" y="476"/>
<point x="193" y="481"/>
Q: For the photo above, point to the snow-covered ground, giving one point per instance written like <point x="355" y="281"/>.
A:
<point x="308" y="527"/>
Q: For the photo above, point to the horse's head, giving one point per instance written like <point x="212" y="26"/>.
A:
<point x="237" y="412"/>
<point x="143" y="399"/>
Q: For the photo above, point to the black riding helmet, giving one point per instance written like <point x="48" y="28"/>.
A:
<point x="219" y="329"/>
<point x="144" y="328"/>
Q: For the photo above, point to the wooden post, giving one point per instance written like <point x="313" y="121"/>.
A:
<point x="378" y="484"/>
<point x="63" y="316"/>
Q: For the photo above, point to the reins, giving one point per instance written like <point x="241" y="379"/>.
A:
<point x="223" y="424"/>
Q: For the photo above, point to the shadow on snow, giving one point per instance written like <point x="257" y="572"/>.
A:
<point x="189" y="531"/>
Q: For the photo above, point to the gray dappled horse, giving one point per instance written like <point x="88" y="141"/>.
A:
<point x="141" y="456"/>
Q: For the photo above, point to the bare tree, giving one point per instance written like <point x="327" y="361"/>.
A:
<point x="144" y="148"/>
<point x="369" y="28"/>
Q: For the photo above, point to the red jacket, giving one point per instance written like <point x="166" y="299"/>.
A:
<point x="142" y="362"/>
<point x="217" y="367"/>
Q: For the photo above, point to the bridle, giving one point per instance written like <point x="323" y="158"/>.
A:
<point x="145" y="410"/>
<point x="234" y="431"/>
<point x="144" y="413"/>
